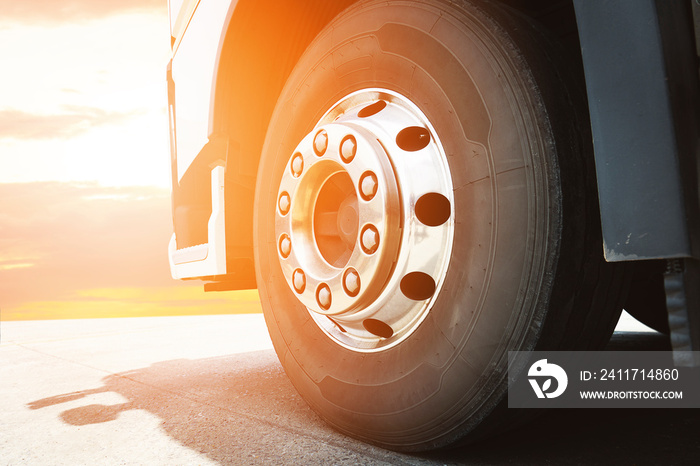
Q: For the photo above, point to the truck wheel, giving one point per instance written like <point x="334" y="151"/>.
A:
<point x="423" y="206"/>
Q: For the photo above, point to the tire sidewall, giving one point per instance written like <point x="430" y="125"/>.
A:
<point x="495" y="292"/>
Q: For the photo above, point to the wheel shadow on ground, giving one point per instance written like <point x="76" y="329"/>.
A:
<point x="243" y="409"/>
<point x="237" y="409"/>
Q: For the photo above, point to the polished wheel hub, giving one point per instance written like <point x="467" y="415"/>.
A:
<point x="364" y="220"/>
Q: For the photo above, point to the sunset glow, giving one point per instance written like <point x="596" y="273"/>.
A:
<point x="84" y="165"/>
<point x="138" y="302"/>
<point x="85" y="99"/>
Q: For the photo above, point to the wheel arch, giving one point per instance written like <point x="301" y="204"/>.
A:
<point x="261" y="43"/>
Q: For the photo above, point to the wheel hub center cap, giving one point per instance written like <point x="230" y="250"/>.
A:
<point x="343" y="219"/>
<point x="352" y="244"/>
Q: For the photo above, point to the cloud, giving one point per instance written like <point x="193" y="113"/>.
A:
<point x="17" y="124"/>
<point x="71" y="250"/>
<point x="73" y="237"/>
<point x="43" y="11"/>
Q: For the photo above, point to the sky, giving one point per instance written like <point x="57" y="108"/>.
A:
<point x="84" y="164"/>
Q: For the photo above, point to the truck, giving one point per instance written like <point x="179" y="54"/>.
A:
<point x="419" y="187"/>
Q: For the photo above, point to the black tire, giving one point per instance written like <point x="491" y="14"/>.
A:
<point x="526" y="268"/>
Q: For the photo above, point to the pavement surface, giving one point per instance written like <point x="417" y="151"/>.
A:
<point x="210" y="390"/>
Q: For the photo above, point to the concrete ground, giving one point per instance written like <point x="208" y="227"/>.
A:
<point x="209" y="390"/>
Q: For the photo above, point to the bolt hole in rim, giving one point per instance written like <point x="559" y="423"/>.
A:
<point x="365" y="220"/>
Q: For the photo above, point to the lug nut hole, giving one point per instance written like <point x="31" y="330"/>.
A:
<point x="348" y="148"/>
<point x="368" y="185"/>
<point x="369" y="239"/>
<point x="285" y="245"/>
<point x="323" y="296"/>
<point x="378" y="328"/>
<point x="372" y="109"/>
<point x="418" y="286"/>
<point x="297" y="165"/>
<point x="299" y="281"/>
<point x="320" y="142"/>
<point x="351" y="282"/>
<point x="413" y="138"/>
<point x="433" y="209"/>
<point x="284" y="203"/>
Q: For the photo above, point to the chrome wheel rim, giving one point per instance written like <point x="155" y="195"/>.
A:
<point x="364" y="220"/>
